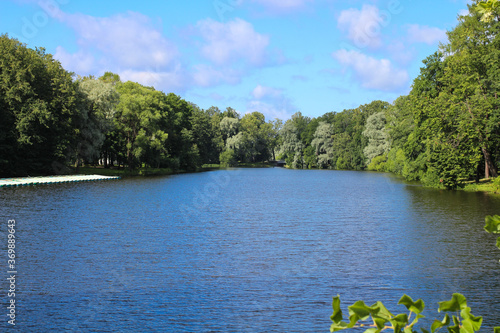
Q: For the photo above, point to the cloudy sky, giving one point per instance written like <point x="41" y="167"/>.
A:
<point x="273" y="56"/>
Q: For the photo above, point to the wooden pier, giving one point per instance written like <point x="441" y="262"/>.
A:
<point x="7" y="182"/>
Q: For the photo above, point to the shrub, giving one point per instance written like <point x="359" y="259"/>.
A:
<point x="228" y="159"/>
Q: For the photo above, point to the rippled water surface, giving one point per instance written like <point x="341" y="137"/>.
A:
<point x="244" y="250"/>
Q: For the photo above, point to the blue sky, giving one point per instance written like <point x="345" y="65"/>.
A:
<point x="272" y="56"/>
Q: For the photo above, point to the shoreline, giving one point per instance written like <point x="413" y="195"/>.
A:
<point x="99" y="173"/>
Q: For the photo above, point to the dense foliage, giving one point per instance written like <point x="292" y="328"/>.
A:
<point x="377" y="318"/>
<point x="446" y="131"/>
<point x="39" y="106"/>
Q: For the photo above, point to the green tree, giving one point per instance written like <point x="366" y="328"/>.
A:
<point x="472" y="69"/>
<point x="230" y="113"/>
<point x="273" y="136"/>
<point x="97" y="110"/>
<point x="38" y="107"/>
<point x="378" y="138"/>
<point x="229" y="127"/>
<point x="399" y="125"/>
<point x="181" y="146"/>
<point x="206" y="135"/>
<point x="307" y="136"/>
<point x="257" y="135"/>
<point x="228" y="158"/>
<point x="140" y="115"/>
<point x="292" y="146"/>
<point x="455" y="106"/>
<point x="323" y="145"/>
<point x="488" y="10"/>
<point x="111" y="78"/>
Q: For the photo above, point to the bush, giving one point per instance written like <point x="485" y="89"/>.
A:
<point x="228" y="159"/>
<point x="496" y="184"/>
<point x="378" y="163"/>
<point x="381" y="319"/>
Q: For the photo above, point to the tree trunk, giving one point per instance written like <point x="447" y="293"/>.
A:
<point x="489" y="166"/>
<point x="130" y="143"/>
<point x="105" y="160"/>
<point x="77" y="164"/>
<point x="478" y="176"/>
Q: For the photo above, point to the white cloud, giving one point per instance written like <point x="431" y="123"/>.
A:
<point x="283" y="6"/>
<point x="401" y="53"/>
<point x="373" y="73"/>
<point x="130" y="45"/>
<point x="207" y="76"/>
<point x="79" y="62"/>
<point x="127" y="44"/>
<point x="226" y="43"/>
<point x="271" y="102"/>
<point x="171" y="80"/>
<point x="363" y="26"/>
<point x="426" y="34"/>
<point x="262" y="92"/>
<point x="129" y="40"/>
<point x="270" y="110"/>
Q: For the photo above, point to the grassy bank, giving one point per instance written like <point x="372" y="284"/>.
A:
<point x="485" y="185"/>
<point x="124" y="172"/>
<point x="240" y="165"/>
<point x="141" y="172"/>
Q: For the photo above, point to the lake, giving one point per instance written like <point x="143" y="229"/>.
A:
<point x="242" y="250"/>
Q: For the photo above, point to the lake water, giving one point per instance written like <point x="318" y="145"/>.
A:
<point x="243" y="250"/>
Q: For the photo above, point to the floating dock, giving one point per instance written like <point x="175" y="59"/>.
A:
<point x="5" y="182"/>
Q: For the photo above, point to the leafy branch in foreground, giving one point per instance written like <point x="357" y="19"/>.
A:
<point x="493" y="226"/>
<point x="377" y="318"/>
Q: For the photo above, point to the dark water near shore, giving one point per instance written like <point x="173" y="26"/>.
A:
<point x="246" y="250"/>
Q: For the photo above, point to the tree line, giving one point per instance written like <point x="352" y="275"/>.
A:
<point x="445" y="131"/>
<point x="51" y="120"/>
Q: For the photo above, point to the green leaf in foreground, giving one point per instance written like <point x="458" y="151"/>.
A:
<point x="470" y="323"/>
<point x="382" y="312"/>
<point x="458" y="302"/>
<point x="362" y="310"/>
<point x="492" y="224"/>
<point x="415" y="307"/>
<point x="336" y="317"/>
<point x="399" y="322"/>
<point x="436" y="325"/>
